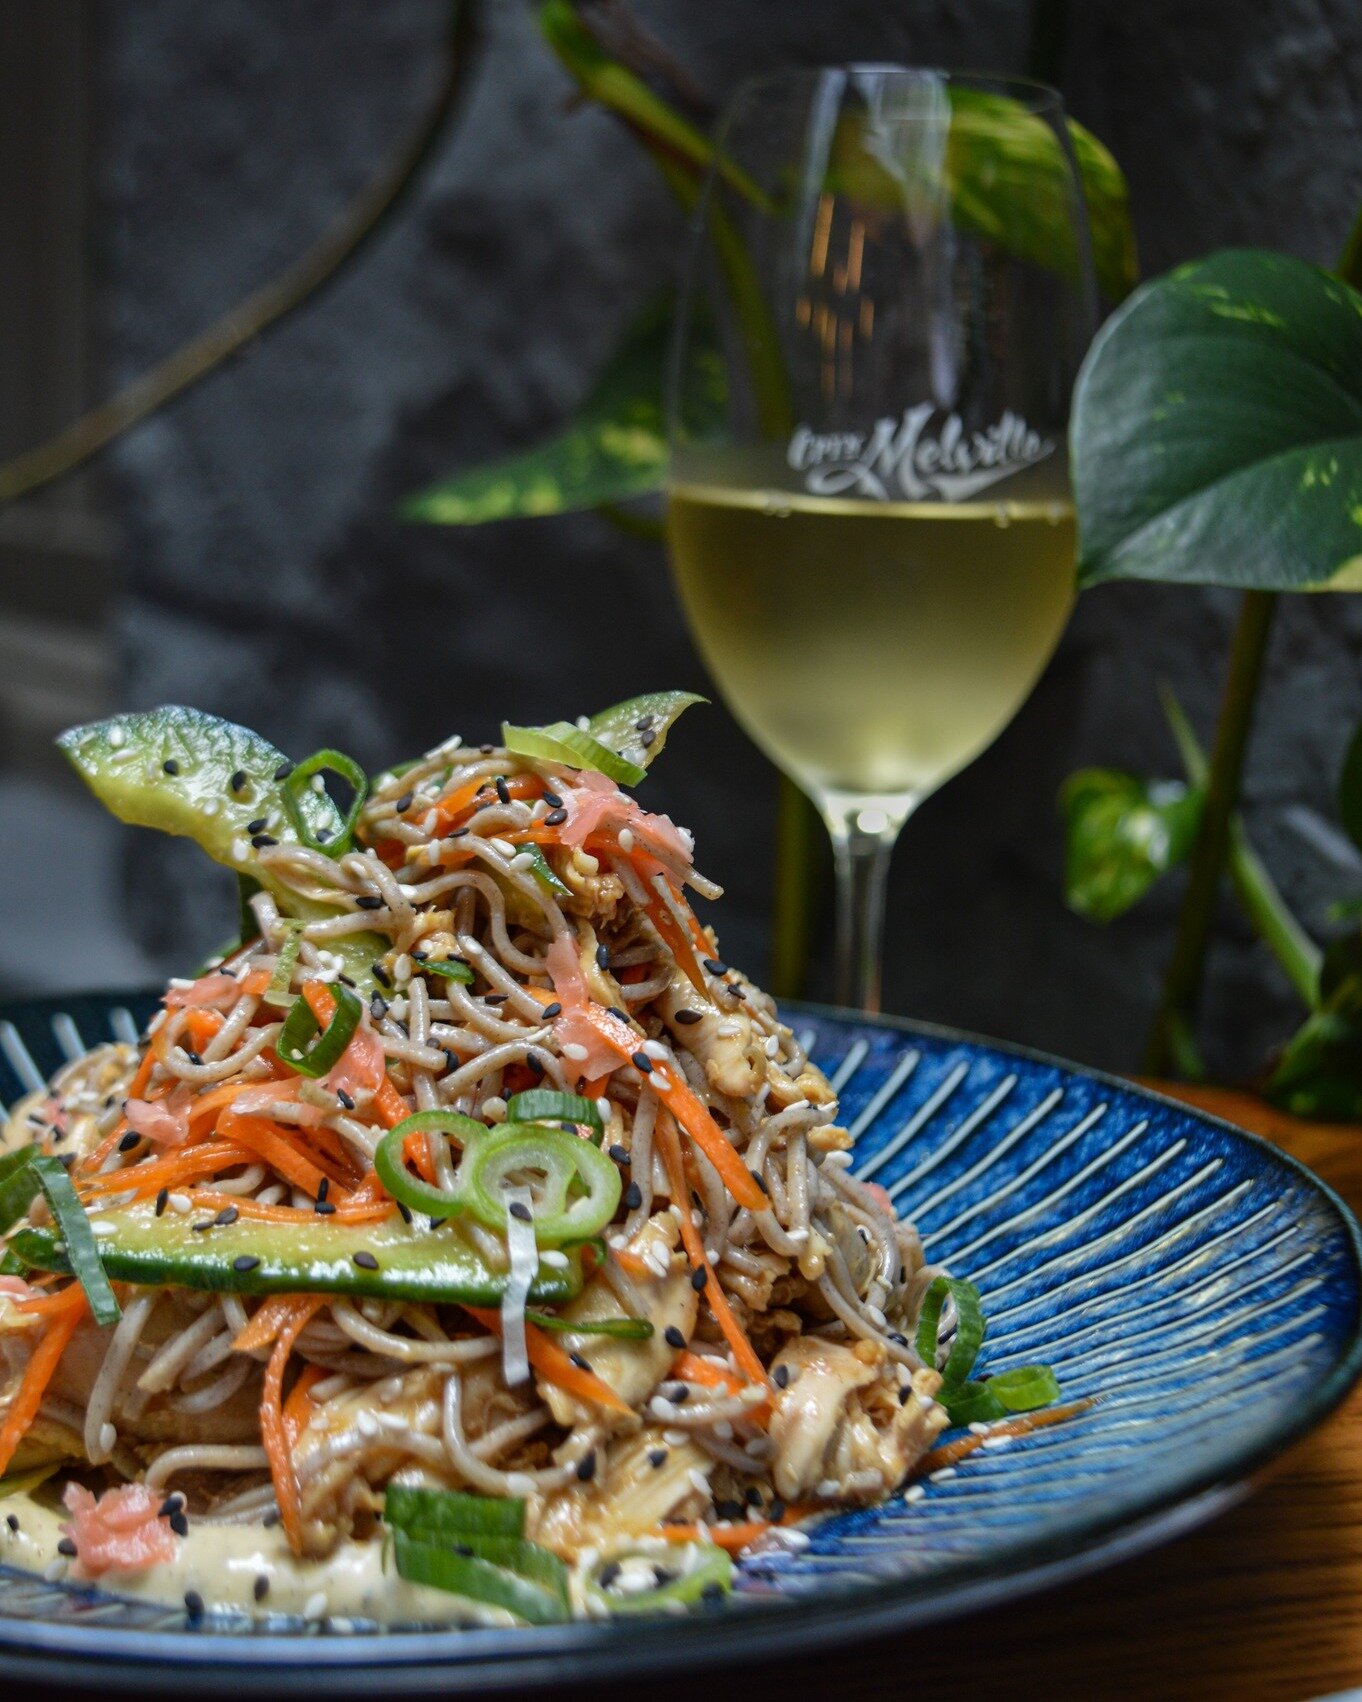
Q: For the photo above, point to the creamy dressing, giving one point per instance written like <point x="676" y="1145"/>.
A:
<point x="221" y="1563"/>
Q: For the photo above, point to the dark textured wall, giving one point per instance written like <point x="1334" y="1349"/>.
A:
<point x="268" y="579"/>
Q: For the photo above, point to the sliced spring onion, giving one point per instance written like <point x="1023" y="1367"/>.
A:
<point x="563" y="1161"/>
<point x="451" y="968"/>
<point x="1024" y="1388"/>
<point x="439" y="1514"/>
<point x="638" y="728"/>
<point x="296" y="1046"/>
<point x="81" y="1251"/>
<point x="542" y="871"/>
<point x="18" y="1185"/>
<point x="569" y="745"/>
<point x="477" y="1580"/>
<point x="281" y="981"/>
<point x="547" y="1105"/>
<point x="524" y="1262"/>
<point x="969" y="1327"/>
<point x="685" y="1574"/>
<point x="410" y="1190"/>
<point x="326" y="762"/>
<point x="621" y="1329"/>
<point x="970" y="1403"/>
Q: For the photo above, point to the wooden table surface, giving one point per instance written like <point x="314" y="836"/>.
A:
<point x="1262" y="1605"/>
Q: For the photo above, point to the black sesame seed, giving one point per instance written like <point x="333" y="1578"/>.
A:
<point x="609" y="1572"/>
<point x="633" y="1197"/>
<point x="323" y="1187"/>
<point x="698" y="1279"/>
<point x="776" y="1511"/>
<point x="643" y="724"/>
<point x="673" y="1337"/>
<point x="261" y="1588"/>
<point x="657" y="1458"/>
<point x="238" y="780"/>
<point x="378" y="1007"/>
<point x="602" y="957"/>
<point x="552" y="798"/>
<point x="781" y="1376"/>
<point x="284" y="770"/>
<point x="406" y="1212"/>
<point x="162" y="1200"/>
<point x="270" y="1518"/>
<point x="67" y="1547"/>
<point x="366" y="1261"/>
<point x="458" y="833"/>
<point x="369" y="901"/>
<point x="616" y="1011"/>
<point x="245" y="1262"/>
<point x="555" y="818"/>
<point x="129" y="1141"/>
<point x="170" y="766"/>
<point x="662" y="1577"/>
<point x="198" y="1228"/>
<point x="503" y="790"/>
<point x="346" y="981"/>
<point x="760" y="1180"/>
<point x="258" y="825"/>
<point x="324" y="1208"/>
<point x="551" y="1011"/>
<point x="641" y="1061"/>
<point x="261" y="840"/>
<point x="381" y="975"/>
<point x="753" y="1496"/>
<point x="228" y="1214"/>
<point x="729" y="1510"/>
<point x="404" y="803"/>
<point x="679" y="1394"/>
<point x="193" y="1057"/>
<point x="897" y="1339"/>
<point x="646" y="739"/>
<point x="713" y="1591"/>
<point x="520" y="1211"/>
<point x="435" y="1222"/>
<point x="345" y="1099"/>
<point x="452" y="1063"/>
<point x="495" y="998"/>
<point x="733" y="991"/>
<point x="620" y="1154"/>
<point x="904" y="1393"/>
<point x="586" y="1467"/>
<point x="535" y="1064"/>
<point x="713" y="965"/>
<point x="685" y="1018"/>
<point x="193" y="1604"/>
<point x="12" y="1520"/>
<point x="580" y="1361"/>
<point x="179" y="1523"/>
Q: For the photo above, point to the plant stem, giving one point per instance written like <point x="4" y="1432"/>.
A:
<point x="1182" y="983"/>
<point x="1257" y="892"/>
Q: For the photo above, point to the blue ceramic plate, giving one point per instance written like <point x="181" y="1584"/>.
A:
<point x="1201" y="1287"/>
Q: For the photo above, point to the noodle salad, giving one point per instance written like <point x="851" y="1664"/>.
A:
<point x="467" y="1241"/>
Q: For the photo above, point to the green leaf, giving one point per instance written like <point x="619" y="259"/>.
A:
<point x="1217" y="430"/>
<point x="637" y="728"/>
<point x="1121" y="834"/>
<point x="614" y="449"/>
<point x="1319" y="1073"/>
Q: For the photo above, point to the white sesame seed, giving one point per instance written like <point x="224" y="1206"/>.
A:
<point x="55" y="1570"/>
<point x="240" y="850"/>
<point x="522" y="860"/>
<point x="724" y="1430"/>
<point x="654" y="1049"/>
<point x="697" y="1479"/>
<point x="674" y="1438"/>
<point x="555" y="1260"/>
<point x="402" y="970"/>
<point x="753" y="1394"/>
<point x="108" y="1438"/>
<point x="626" y="840"/>
<point x="914" y="1492"/>
<point x="772" y="1046"/>
<point x="180" y="1203"/>
<point x="101" y="1226"/>
<point x="827" y="1489"/>
<point x="603" y="1107"/>
<point x="116" y="736"/>
<point x="838" y="1160"/>
<point x="578" y="1054"/>
<point x="979" y="1429"/>
<point x="728" y="1028"/>
<point x="944" y="1475"/>
<point x="504" y="846"/>
<point x="366" y="1424"/>
<point x="315" y="1606"/>
<point x="661" y="1407"/>
<point x="1003" y="1441"/>
<point x="794" y="1539"/>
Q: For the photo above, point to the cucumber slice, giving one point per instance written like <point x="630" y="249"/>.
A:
<point x="477" y="1580"/>
<point x="434" y="1265"/>
<point x="124" y="763"/>
<point x="619" y="729"/>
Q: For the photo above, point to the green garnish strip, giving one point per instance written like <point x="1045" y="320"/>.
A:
<point x="279" y="992"/>
<point x="547" y="1105"/>
<point x="969" y="1327"/>
<point x="326" y="762"/>
<point x="474" y="1546"/>
<point x="296" y="1045"/>
<point x="412" y="1191"/>
<point x="81" y="1251"/>
<point x="564" y="1161"/>
<point x="563" y="743"/>
<point x="694" y="1571"/>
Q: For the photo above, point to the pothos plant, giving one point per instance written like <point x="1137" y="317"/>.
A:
<point x="1217" y="440"/>
<point x="615" y="450"/>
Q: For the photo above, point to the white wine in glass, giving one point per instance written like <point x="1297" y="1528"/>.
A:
<point x="873" y="537"/>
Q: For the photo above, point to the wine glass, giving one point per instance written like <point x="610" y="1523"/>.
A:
<point x="868" y="508"/>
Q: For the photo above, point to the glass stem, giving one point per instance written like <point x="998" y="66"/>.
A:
<point x="863" y="831"/>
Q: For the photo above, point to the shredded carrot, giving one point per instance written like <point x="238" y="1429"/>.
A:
<point x="274" y="1432"/>
<point x="201" y="1025"/>
<point x="630" y="1263"/>
<point x="744" y="1353"/>
<point x="1022" y="1425"/>
<point x="255" y="983"/>
<point x="690" y="1367"/>
<point x="70" y="1298"/>
<point x="137" y="1085"/>
<point x="676" y="1095"/>
<point x="349" y="1211"/>
<point x="298" y="1407"/>
<point x="733" y="1537"/>
<point x="150" y="1176"/>
<point x="673" y="936"/>
<point x="270" y="1142"/>
<point x="554" y="1366"/>
<point x="265" y="1324"/>
<point x="38" y="1373"/>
